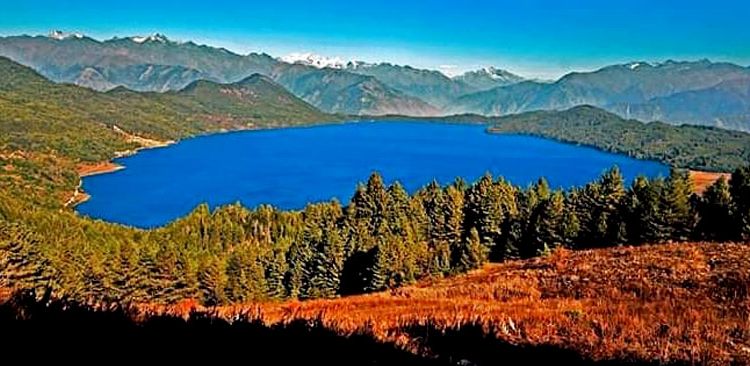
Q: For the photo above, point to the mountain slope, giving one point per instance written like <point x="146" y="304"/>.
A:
<point x="433" y="86"/>
<point x="609" y="87"/>
<point x="38" y="115"/>
<point x="256" y="96"/>
<point x="54" y="58"/>
<point x="488" y="78"/>
<point x="724" y="105"/>
<point x="338" y="91"/>
<point x="501" y="101"/>
<point x="428" y="85"/>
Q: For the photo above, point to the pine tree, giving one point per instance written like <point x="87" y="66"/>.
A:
<point x="365" y="215"/>
<point x="164" y="275"/>
<point x="125" y="273"/>
<point x="599" y="211"/>
<point x="377" y="271"/>
<point x="433" y="204"/>
<point x="369" y="202"/>
<point x="395" y="261"/>
<point x="245" y="277"/>
<point x="175" y="275"/>
<point x="397" y="207"/>
<point x="714" y="207"/>
<point x="644" y="212"/>
<point x="488" y="206"/>
<point x="300" y="255"/>
<point x="21" y="264"/>
<point x="739" y="187"/>
<point x="545" y="229"/>
<point x="145" y="286"/>
<point x="571" y="225"/>
<point x="613" y="191"/>
<point x="275" y="272"/>
<point x="321" y="272"/>
<point x="678" y="210"/>
<point x="212" y="281"/>
<point x="92" y="288"/>
<point x="327" y="266"/>
<point x="453" y="226"/>
<point x="473" y="252"/>
<point x="480" y="213"/>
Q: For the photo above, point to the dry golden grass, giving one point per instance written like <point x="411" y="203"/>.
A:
<point x="703" y="180"/>
<point x="666" y="303"/>
<point x="86" y="169"/>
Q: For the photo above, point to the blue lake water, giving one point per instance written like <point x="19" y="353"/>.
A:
<point x="288" y="168"/>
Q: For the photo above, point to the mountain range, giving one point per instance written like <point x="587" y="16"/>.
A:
<point x="613" y="87"/>
<point x="695" y="92"/>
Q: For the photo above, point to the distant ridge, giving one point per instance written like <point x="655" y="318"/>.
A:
<point x="627" y="89"/>
<point x="672" y="91"/>
<point x="131" y="62"/>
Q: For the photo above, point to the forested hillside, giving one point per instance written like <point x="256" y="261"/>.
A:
<point x="686" y="146"/>
<point x="38" y="115"/>
<point x="383" y="239"/>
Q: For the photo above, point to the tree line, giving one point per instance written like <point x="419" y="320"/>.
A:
<point x="384" y="238"/>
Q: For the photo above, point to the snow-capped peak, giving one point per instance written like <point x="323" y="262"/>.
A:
<point x="359" y="64"/>
<point x="60" y="35"/>
<point x="314" y="60"/>
<point x="489" y="75"/>
<point x="494" y="73"/>
<point x="635" y="65"/>
<point x="156" y="37"/>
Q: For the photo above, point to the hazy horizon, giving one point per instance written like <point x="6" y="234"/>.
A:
<point x="448" y="70"/>
<point x="536" y="39"/>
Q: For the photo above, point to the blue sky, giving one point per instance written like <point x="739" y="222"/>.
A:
<point x="536" y="38"/>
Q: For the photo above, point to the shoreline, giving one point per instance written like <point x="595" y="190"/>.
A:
<point x="88" y="170"/>
<point x="109" y="166"/>
<point x="103" y="167"/>
<point x="78" y="197"/>
<point x="701" y="179"/>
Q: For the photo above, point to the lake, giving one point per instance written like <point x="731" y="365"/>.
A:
<point x="288" y="168"/>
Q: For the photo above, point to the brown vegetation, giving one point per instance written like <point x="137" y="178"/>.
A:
<point x="86" y="169"/>
<point x="703" y="180"/>
<point x="666" y="304"/>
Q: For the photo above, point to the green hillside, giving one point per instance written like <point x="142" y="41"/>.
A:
<point x="686" y="146"/>
<point x="78" y="123"/>
<point x="254" y="100"/>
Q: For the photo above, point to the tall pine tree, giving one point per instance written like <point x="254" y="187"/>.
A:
<point x="714" y="209"/>
<point x="739" y="187"/>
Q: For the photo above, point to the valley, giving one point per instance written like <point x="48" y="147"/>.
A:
<point x="372" y="212"/>
<point x="258" y="167"/>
